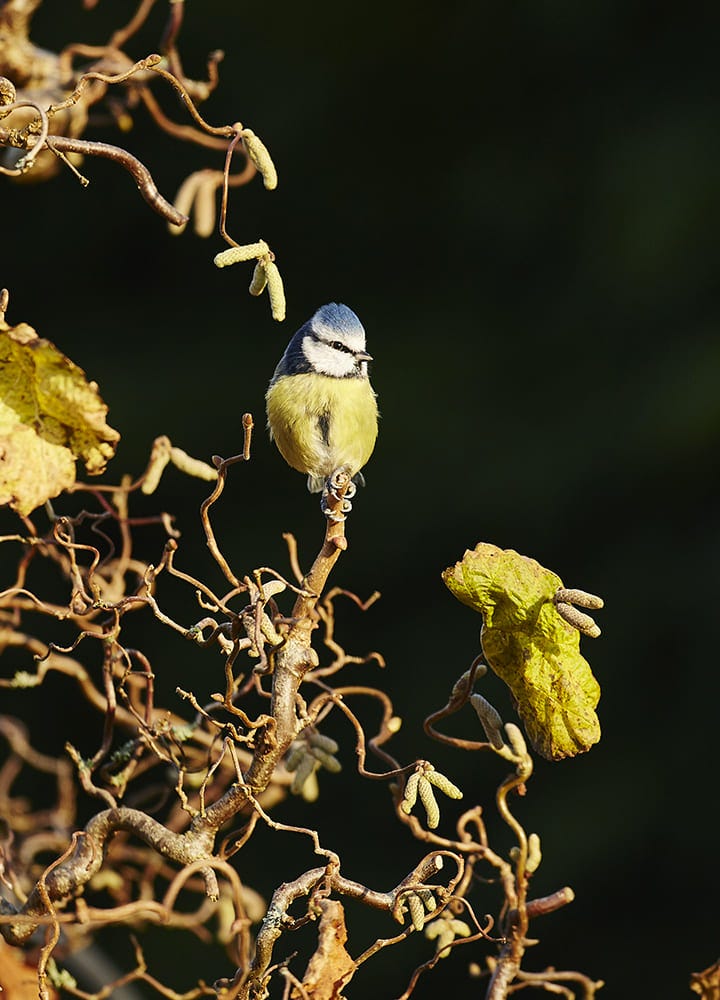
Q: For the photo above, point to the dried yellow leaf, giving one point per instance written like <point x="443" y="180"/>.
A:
<point x="531" y="647"/>
<point x="50" y="416"/>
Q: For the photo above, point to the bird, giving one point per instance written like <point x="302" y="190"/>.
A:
<point x="322" y="411"/>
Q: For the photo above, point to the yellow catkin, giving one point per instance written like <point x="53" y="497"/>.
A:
<point x="427" y="797"/>
<point x="259" y="279"/>
<point x="444" y="784"/>
<point x="305" y="768"/>
<point x="295" y="754"/>
<point x="184" y="200"/>
<point x="411" y="790"/>
<point x="311" y="788"/>
<point x="234" y="255"/>
<point x="192" y="466"/>
<point x="327" y="760"/>
<point x="489" y="719"/>
<point x="417" y="911"/>
<point x="159" y="458"/>
<point x="276" y="291"/>
<point x="258" y="153"/>
<point x="534" y="853"/>
<point x="578" y="619"/>
<point x="444" y="941"/>
<point x="205" y="209"/>
<point x="573" y="596"/>
<point x="428" y="899"/>
<point x="516" y="738"/>
<point x="324" y="742"/>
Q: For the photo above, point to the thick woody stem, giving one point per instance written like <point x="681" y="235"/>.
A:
<point x="291" y="662"/>
<point x="88" y="856"/>
<point x="505" y="971"/>
<point x="314" y="583"/>
<point x="277" y="918"/>
<point x="296" y="656"/>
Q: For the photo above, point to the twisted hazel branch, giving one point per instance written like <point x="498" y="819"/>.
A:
<point x="326" y="880"/>
<point x="140" y="173"/>
<point x="295" y="657"/>
<point x="292" y="661"/>
<point x="66" y="878"/>
<point x="25" y="161"/>
<point x="459" y="696"/>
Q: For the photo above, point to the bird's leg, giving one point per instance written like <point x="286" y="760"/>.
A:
<point x="335" y="501"/>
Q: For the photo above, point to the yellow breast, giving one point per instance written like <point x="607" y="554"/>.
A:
<point x="320" y="423"/>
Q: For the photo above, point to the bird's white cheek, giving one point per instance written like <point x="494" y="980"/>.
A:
<point x="327" y="360"/>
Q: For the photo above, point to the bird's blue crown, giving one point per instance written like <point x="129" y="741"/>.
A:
<point x="338" y="317"/>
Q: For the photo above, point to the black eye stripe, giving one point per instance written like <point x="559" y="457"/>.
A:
<point x="336" y="345"/>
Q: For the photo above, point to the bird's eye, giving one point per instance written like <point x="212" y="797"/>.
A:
<point x="339" y="346"/>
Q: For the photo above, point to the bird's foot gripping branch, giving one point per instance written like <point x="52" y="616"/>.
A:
<point x="336" y="501"/>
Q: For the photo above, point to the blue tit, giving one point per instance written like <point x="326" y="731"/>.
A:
<point x="322" y="412"/>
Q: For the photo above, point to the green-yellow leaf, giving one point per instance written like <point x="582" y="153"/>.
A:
<point x="530" y="647"/>
<point x="50" y="415"/>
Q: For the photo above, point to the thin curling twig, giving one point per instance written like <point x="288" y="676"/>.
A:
<point x="108" y="78"/>
<point x="187" y="132"/>
<point x="26" y="161"/>
<point x="277" y="917"/>
<point x="121" y="35"/>
<point x="232" y="145"/>
<point x="222" y="465"/>
<point x="550" y="982"/>
<point x="52" y="935"/>
<point x="223" y="130"/>
<point x="516" y="917"/>
<point x="337" y="698"/>
<point x="459" y="697"/>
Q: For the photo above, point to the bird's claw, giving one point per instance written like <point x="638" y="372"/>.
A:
<point x="334" y="511"/>
<point x="339" y="488"/>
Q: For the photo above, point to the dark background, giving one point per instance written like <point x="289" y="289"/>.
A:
<point x="521" y="202"/>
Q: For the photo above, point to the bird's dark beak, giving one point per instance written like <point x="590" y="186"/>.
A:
<point x="363" y="356"/>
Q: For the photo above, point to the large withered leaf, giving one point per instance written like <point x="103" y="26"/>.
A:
<point x="527" y="644"/>
<point x="50" y="416"/>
